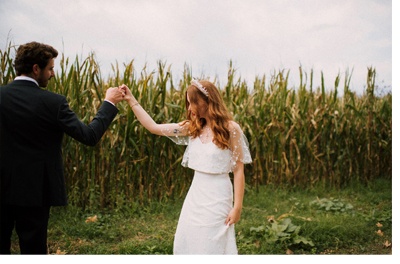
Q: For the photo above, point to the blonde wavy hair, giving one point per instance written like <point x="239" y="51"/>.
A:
<point x="216" y="109"/>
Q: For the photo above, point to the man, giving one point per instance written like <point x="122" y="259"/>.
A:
<point x="33" y="122"/>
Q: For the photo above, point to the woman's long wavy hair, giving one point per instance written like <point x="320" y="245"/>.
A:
<point x="216" y="109"/>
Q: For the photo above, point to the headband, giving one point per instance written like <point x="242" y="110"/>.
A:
<point x="199" y="86"/>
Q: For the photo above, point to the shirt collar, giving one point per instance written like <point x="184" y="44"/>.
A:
<point x="26" y="78"/>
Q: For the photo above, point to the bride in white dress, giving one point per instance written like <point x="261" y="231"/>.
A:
<point x="216" y="147"/>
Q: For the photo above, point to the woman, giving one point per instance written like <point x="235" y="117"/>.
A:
<point x="216" y="146"/>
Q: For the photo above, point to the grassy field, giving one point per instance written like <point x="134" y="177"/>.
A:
<point x="353" y="221"/>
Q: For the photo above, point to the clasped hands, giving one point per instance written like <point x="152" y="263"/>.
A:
<point x="118" y="94"/>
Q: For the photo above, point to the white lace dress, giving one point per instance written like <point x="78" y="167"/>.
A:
<point x="201" y="228"/>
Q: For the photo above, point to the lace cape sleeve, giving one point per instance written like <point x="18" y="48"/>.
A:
<point x="177" y="132"/>
<point x="239" y="146"/>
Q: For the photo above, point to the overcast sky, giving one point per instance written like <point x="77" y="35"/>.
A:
<point x="259" y="36"/>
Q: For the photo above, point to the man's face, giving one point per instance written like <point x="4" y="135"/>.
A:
<point x="46" y="74"/>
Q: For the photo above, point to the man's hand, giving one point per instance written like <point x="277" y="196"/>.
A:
<point x="115" y="95"/>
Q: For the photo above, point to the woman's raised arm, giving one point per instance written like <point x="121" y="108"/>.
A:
<point x="169" y="129"/>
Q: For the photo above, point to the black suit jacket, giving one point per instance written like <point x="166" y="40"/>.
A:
<point x="32" y="124"/>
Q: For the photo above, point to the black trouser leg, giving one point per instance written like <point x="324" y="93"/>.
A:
<point x="6" y="228"/>
<point x="31" y="226"/>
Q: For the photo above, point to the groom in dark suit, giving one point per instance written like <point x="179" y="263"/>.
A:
<point x="33" y="122"/>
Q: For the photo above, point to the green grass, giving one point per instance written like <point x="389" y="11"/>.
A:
<point x="336" y="222"/>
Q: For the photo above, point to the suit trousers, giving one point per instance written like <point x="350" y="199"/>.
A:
<point x="30" y="224"/>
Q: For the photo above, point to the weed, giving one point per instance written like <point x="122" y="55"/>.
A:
<point x="281" y="232"/>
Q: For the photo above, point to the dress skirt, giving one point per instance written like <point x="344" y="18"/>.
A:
<point x="201" y="227"/>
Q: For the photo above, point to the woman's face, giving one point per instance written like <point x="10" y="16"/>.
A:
<point x="197" y="110"/>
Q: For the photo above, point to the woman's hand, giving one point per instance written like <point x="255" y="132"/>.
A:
<point x="128" y="95"/>
<point x="233" y="216"/>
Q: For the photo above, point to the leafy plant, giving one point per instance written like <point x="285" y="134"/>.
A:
<point x="282" y="232"/>
<point x="331" y="204"/>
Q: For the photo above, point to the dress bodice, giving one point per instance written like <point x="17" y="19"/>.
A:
<point x="207" y="157"/>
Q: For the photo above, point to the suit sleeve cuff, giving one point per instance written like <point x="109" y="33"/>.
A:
<point x="109" y="102"/>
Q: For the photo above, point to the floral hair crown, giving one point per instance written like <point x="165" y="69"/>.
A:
<point x="199" y="86"/>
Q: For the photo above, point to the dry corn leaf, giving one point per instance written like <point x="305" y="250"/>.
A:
<point x="284" y="216"/>
<point x="387" y="244"/>
<point x="270" y="218"/>
<point x="91" y="219"/>
<point x="59" y="252"/>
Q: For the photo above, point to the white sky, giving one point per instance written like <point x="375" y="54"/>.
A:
<point x="259" y="36"/>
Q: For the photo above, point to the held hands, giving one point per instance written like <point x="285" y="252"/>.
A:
<point x="128" y="95"/>
<point x="115" y="95"/>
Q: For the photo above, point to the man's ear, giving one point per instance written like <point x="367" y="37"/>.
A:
<point x="35" y="69"/>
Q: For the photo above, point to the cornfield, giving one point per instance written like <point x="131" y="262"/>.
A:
<point x="299" y="137"/>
